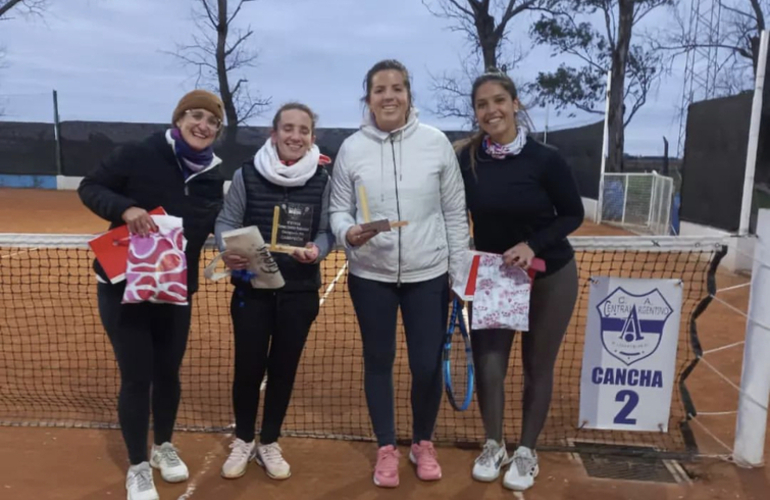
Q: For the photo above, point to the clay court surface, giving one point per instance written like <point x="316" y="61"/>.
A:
<point x="56" y="463"/>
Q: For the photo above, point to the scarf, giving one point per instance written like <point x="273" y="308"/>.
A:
<point x="270" y="166"/>
<point x="500" y="151"/>
<point x="192" y="159"/>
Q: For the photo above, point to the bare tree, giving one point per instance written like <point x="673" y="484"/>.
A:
<point x="217" y="53"/>
<point x="633" y="68"/>
<point x="485" y="24"/>
<point x="23" y="7"/>
<point x="735" y="45"/>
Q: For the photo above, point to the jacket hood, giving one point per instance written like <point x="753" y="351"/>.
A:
<point x="369" y="127"/>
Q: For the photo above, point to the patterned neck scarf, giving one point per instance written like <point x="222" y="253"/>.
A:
<point x="500" y="151"/>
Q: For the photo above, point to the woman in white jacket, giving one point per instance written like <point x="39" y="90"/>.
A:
<point x="410" y="173"/>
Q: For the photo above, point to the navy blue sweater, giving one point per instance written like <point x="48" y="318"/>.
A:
<point x="531" y="197"/>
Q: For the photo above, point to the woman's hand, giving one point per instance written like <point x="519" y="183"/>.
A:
<point x="521" y="255"/>
<point x="357" y="237"/>
<point x="234" y="261"/>
<point x="307" y="255"/>
<point x="139" y="221"/>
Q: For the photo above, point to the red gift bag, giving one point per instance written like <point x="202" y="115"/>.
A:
<point x="156" y="268"/>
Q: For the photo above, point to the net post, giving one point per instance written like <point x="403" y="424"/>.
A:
<point x="754" y="127"/>
<point x="755" y="379"/>
<point x="605" y="142"/>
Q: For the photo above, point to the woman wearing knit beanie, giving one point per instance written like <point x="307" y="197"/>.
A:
<point x="177" y="170"/>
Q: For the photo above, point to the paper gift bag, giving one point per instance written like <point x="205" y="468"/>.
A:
<point x="156" y="267"/>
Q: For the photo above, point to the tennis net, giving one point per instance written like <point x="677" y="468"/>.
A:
<point x="57" y="366"/>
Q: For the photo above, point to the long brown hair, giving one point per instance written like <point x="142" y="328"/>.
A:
<point x="473" y="143"/>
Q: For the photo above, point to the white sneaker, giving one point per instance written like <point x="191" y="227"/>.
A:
<point x="523" y="471"/>
<point x="166" y="458"/>
<point x="235" y="465"/>
<point x="139" y="483"/>
<point x="269" y="456"/>
<point x="487" y="466"/>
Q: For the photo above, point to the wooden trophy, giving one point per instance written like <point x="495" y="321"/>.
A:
<point x="292" y="227"/>
<point x="378" y="226"/>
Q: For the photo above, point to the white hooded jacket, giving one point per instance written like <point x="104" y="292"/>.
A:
<point x="412" y="175"/>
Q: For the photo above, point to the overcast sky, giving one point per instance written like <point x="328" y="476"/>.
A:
<point x="107" y="60"/>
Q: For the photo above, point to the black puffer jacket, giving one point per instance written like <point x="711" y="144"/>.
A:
<point x="148" y="175"/>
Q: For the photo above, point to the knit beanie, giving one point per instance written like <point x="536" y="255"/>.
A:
<point x="199" y="99"/>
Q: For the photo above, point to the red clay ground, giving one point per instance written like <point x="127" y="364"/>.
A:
<point x="90" y="464"/>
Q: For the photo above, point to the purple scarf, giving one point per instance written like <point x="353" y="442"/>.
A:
<point x="193" y="160"/>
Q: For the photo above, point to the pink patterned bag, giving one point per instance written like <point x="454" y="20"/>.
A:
<point x="156" y="270"/>
<point x="501" y="299"/>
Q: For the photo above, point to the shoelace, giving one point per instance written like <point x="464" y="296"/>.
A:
<point x="143" y="479"/>
<point x="272" y="453"/>
<point x="428" y="450"/>
<point x="487" y="455"/>
<point x="524" y="464"/>
<point x="388" y="460"/>
<point x="169" y="453"/>
<point x="240" y="449"/>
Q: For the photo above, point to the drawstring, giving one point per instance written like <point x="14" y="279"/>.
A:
<point x="382" y="172"/>
<point x="401" y="157"/>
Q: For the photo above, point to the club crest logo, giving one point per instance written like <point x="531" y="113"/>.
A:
<point x="632" y="325"/>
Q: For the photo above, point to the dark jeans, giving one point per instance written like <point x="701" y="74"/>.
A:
<point x="424" y="308"/>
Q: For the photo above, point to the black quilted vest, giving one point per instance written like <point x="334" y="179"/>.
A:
<point x="261" y="198"/>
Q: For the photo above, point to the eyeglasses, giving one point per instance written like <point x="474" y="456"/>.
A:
<point x="198" y="116"/>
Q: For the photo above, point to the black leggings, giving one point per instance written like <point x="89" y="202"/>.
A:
<point x="424" y="307"/>
<point x="270" y="333"/>
<point x="149" y="341"/>
<point x="552" y="301"/>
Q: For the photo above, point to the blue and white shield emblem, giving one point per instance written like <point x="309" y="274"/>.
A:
<point x="632" y="325"/>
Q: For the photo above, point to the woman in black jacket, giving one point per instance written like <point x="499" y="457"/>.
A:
<point x="176" y="170"/>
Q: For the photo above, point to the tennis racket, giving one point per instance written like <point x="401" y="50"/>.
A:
<point x="458" y="360"/>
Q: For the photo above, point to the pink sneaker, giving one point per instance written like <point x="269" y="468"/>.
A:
<point x="386" y="470"/>
<point x="424" y="455"/>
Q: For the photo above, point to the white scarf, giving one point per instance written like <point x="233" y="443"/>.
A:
<point x="271" y="168"/>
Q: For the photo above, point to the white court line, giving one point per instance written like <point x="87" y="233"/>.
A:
<point x="727" y="289"/>
<point x="518" y="495"/>
<point x="330" y="288"/>
<point x="207" y="461"/>
<point x="707" y="431"/>
<point x="724" y="377"/>
<point x="18" y="253"/>
<point x="717" y="349"/>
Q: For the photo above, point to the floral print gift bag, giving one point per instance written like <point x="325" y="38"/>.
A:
<point x="501" y="298"/>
